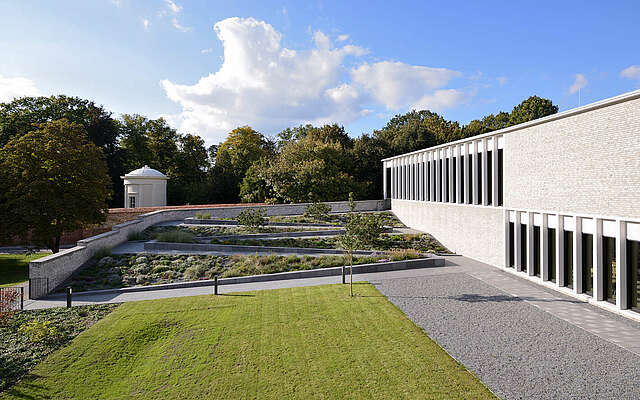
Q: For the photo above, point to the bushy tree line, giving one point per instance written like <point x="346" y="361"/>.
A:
<point x="299" y="164"/>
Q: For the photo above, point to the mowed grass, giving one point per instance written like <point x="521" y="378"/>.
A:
<point x="310" y="342"/>
<point x="14" y="268"/>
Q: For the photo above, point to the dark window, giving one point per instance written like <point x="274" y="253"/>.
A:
<point x="428" y="181"/>
<point x="441" y="197"/>
<point x="470" y="183"/>
<point x="388" y="185"/>
<point x="454" y="168"/>
<point x="523" y="247"/>
<point x="479" y="177"/>
<point x="587" y="263"/>
<point x="633" y="272"/>
<point x="500" y="181"/>
<point x="132" y="202"/>
<point x="413" y="181"/>
<point x="551" y="260"/>
<point x="609" y="263"/>
<point x="461" y="178"/>
<point x="568" y="259"/>
<point x="404" y="182"/>
<point x="446" y="180"/>
<point x="489" y="178"/>
<point x="512" y="241"/>
<point x="536" y="251"/>
<point x="425" y="185"/>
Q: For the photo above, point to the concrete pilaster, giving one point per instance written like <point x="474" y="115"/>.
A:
<point x="622" y="296"/>
<point x="544" y="247"/>
<point x="598" y="266"/>
<point x="560" y="278"/>
<point x="577" y="255"/>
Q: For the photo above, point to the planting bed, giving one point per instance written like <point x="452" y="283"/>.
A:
<point x="152" y="269"/>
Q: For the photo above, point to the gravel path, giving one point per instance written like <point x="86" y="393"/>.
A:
<point x="516" y="349"/>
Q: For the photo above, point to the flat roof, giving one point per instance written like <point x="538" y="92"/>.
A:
<point x="564" y="114"/>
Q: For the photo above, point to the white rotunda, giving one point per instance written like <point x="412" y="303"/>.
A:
<point x="145" y="187"/>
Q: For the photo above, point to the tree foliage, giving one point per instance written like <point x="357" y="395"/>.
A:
<point x="54" y="179"/>
<point x="532" y="108"/>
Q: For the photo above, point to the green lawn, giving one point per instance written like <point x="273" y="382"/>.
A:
<point x="310" y="342"/>
<point x="14" y="268"/>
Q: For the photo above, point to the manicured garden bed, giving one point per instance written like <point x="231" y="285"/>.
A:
<point x="19" y="353"/>
<point x="388" y="218"/>
<point x="153" y="269"/>
<point x="199" y="230"/>
<point x="422" y="243"/>
<point x="14" y="268"/>
<point x="309" y="342"/>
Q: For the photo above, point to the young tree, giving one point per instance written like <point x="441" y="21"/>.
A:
<point x="54" y="180"/>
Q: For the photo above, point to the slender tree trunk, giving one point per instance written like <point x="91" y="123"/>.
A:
<point x="55" y="244"/>
<point x="351" y="272"/>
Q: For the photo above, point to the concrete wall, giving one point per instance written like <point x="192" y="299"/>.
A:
<point x="58" y="267"/>
<point x="474" y="231"/>
<point x="586" y="163"/>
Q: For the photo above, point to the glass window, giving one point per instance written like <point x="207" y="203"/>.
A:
<point x="500" y="179"/>
<point x="388" y="184"/>
<point x="489" y="178"/>
<point x="454" y="168"/>
<point x="568" y="259"/>
<point x="523" y="247"/>
<point x="445" y="197"/>
<point x="536" y="251"/>
<point x="428" y="181"/>
<point x="462" y="178"/>
<point x="441" y="197"/>
<point x="633" y="272"/>
<point x="551" y="254"/>
<point x="132" y="202"/>
<point x="479" y="177"/>
<point x="587" y="263"/>
<point x="470" y="183"/>
<point x="609" y="263"/>
<point x="512" y="241"/>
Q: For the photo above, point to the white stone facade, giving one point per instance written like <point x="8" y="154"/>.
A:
<point x="145" y="187"/>
<point x="556" y="199"/>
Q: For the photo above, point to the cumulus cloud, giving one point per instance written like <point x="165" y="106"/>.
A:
<point x="632" y="72"/>
<point x="206" y="51"/>
<point x="579" y="83"/>
<point x="342" y="38"/>
<point x="397" y="85"/>
<point x="270" y="87"/>
<point x="146" y="23"/>
<point x="502" y="80"/>
<point x="11" y="88"/>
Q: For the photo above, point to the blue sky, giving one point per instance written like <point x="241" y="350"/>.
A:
<point x="278" y="64"/>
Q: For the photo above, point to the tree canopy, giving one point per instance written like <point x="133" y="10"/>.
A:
<point x="53" y="179"/>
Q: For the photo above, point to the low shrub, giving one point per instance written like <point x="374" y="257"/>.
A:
<point x="252" y="217"/>
<point x="40" y="331"/>
<point x="175" y="237"/>
<point x="203" y="215"/>
<point x="318" y="211"/>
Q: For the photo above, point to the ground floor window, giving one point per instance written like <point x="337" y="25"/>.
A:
<point x="536" y="251"/>
<point x="454" y="170"/>
<point x="462" y="178"/>
<point x="523" y="247"/>
<point x="551" y="254"/>
<point x="609" y="264"/>
<point x="512" y="240"/>
<point x="479" y="176"/>
<point x="132" y="201"/>
<point x="470" y="180"/>
<point x="587" y="263"/>
<point x="633" y="273"/>
<point x="568" y="259"/>
<point x="489" y="177"/>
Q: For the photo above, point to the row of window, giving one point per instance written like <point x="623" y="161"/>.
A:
<point x="586" y="267"/>
<point x="439" y="180"/>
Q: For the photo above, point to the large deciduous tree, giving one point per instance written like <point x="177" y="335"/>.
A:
<point x="54" y="180"/>
<point x="532" y="108"/>
<point x="19" y="117"/>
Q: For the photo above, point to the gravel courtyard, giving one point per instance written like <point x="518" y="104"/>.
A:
<point x="518" y="350"/>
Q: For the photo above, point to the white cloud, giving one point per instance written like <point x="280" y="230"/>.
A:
<point x="178" y="26"/>
<point x="342" y="38"/>
<point x="284" y="11"/>
<point x="632" y="72"/>
<point x="502" y="80"/>
<point x="270" y="87"/>
<point x="206" y="51"/>
<point x="579" y="83"/>
<point x="173" y="7"/>
<point x="15" y="87"/>
<point x="146" y="23"/>
<point x="398" y="85"/>
<point x="116" y="3"/>
<point x="441" y="100"/>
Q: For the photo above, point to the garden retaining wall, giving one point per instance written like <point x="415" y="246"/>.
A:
<point x="57" y="268"/>
<point x="236" y="248"/>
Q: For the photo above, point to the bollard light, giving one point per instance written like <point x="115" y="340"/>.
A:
<point x="215" y="284"/>
<point x="69" y="292"/>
